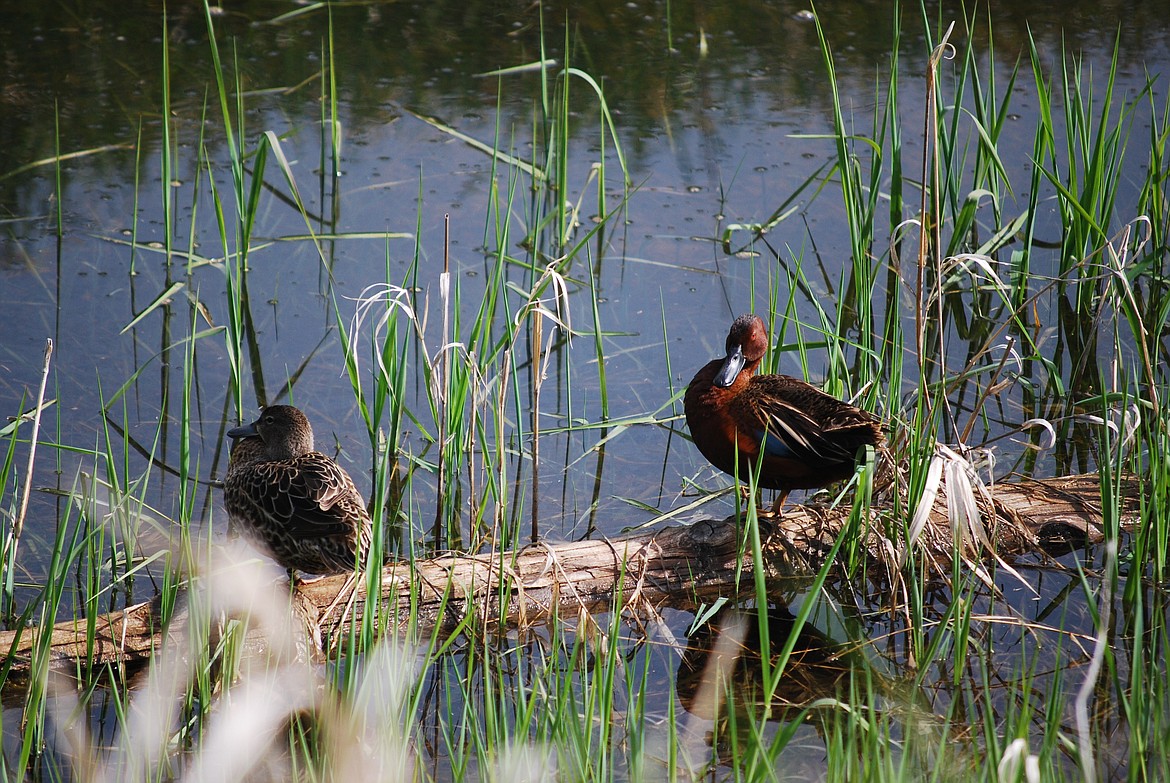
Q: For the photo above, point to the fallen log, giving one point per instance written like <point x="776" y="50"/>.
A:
<point x="682" y="566"/>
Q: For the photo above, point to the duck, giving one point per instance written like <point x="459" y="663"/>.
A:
<point x="296" y="504"/>
<point x="798" y="436"/>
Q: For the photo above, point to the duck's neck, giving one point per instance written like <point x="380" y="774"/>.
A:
<point x="745" y="375"/>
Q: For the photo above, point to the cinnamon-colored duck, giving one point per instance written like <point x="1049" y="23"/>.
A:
<point x="808" y="438"/>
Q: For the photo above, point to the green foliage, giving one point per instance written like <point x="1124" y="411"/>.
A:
<point x="933" y="322"/>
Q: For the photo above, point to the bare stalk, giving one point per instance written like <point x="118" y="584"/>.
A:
<point x="442" y="369"/>
<point x="11" y="545"/>
<point x="931" y="230"/>
<point x="537" y="377"/>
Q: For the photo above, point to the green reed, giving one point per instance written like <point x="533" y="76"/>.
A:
<point x="1153" y="201"/>
<point x="584" y="688"/>
<point x="66" y="551"/>
<point x="969" y="279"/>
<point x="9" y="500"/>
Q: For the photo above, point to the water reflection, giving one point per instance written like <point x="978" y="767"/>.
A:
<point x="722" y="668"/>
<point x="866" y="673"/>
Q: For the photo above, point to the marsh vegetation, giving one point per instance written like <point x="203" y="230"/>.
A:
<point x="488" y="280"/>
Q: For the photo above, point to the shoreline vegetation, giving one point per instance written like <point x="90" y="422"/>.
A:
<point x="681" y="566"/>
<point x="1014" y="666"/>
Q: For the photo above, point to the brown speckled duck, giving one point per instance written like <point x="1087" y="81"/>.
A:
<point x="808" y="439"/>
<point x="295" y="503"/>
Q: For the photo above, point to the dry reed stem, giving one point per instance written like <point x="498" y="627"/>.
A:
<point x="18" y="525"/>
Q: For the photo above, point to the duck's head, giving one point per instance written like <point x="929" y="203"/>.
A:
<point x="746" y="344"/>
<point x="286" y="432"/>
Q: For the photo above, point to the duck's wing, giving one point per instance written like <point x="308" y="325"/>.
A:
<point x="307" y="497"/>
<point x="802" y="422"/>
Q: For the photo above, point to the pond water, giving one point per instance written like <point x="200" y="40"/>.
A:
<point x="706" y="110"/>
<point x="716" y="106"/>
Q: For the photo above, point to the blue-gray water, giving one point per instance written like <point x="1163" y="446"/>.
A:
<point x="706" y="109"/>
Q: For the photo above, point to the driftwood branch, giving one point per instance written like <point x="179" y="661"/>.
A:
<point x="680" y="566"/>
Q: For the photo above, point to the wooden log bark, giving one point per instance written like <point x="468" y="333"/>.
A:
<point x="681" y="566"/>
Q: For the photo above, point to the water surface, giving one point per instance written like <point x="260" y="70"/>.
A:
<point x="708" y="104"/>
